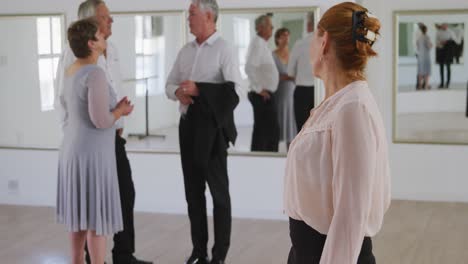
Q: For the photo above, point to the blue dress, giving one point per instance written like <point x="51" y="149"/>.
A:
<point x="88" y="195"/>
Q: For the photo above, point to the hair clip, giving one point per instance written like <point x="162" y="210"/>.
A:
<point x="358" y="23"/>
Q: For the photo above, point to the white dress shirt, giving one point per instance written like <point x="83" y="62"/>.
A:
<point x="299" y="65"/>
<point x="260" y="66"/>
<point x="213" y="61"/>
<point x="110" y="65"/>
<point x="337" y="172"/>
<point x="444" y="35"/>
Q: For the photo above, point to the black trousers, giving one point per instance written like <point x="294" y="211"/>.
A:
<point x="124" y="241"/>
<point x="265" y="135"/>
<point x="441" y="67"/>
<point x="304" y="101"/>
<point x="308" y="244"/>
<point x="199" y="170"/>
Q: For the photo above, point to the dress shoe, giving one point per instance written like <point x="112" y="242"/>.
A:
<point x="217" y="261"/>
<point x="197" y="260"/>
<point x="139" y="261"/>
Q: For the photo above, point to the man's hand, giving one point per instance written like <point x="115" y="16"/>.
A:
<point x="182" y="97"/>
<point x="265" y="94"/>
<point x="190" y="88"/>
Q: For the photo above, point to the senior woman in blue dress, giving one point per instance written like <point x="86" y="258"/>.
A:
<point x="88" y="199"/>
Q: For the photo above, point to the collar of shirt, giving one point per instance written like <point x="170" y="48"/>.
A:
<point x="210" y="41"/>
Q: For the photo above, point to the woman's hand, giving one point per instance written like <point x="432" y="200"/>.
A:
<point x="124" y="107"/>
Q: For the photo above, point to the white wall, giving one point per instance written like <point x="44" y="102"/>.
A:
<point x="420" y="172"/>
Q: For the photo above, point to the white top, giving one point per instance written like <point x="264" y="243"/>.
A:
<point x="110" y="65"/>
<point x="260" y="66"/>
<point x="299" y="65"/>
<point x="444" y="35"/>
<point x="213" y="61"/>
<point x="337" y="172"/>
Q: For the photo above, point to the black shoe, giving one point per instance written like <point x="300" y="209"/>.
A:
<point x="139" y="261"/>
<point x="197" y="260"/>
<point x="441" y="86"/>
<point x="216" y="261"/>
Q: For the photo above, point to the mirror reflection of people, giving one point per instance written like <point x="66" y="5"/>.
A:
<point x="300" y="69"/>
<point x="124" y="241"/>
<point x="203" y="79"/>
<point x="424" y="46"/>
<point x="88" y="197"/>
<point x="263" y="80"/>
<point x="284" y="95"/>
<point x="459" y="35"/>
<point x="337" y="182"/>
<point x="416" y="34"/>
<point x="445" y="48"/>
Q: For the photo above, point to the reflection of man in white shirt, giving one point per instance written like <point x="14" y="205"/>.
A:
<point x="263" y="78"/>
<point x="300" y="68"/>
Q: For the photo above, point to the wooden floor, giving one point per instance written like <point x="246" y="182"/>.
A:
<point x="413" y="233"/>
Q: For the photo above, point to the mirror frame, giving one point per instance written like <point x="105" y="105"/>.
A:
<point x="396" y="15"/>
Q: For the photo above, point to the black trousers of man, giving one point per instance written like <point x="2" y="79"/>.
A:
<point x="466" y="112"/>
<point x="124" y="241"/>
<point x="304" y="101"/>
<point x="201" y="165"/>
<point x="441" y="67"/>
<point x="265" y="135"/>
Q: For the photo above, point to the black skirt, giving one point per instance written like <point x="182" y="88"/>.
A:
<point x="307" y="245"/>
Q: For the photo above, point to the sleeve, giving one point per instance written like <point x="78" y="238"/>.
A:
<point x="354" y="147"/>
<point x="98" y="99"/>
<point x="230" y="67"/>
<point x="116" y="74"/>
<point x="66" y="59"/>
<point x="173" y="80"/>
<point x="293" y="61"/>
<point x="251" y="66"/>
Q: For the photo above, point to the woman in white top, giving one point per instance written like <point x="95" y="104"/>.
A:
<point x="337" y="183"/>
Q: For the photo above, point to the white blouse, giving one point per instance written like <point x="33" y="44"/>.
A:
<point x="337" y="172"/>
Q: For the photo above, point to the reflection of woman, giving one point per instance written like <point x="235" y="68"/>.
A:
<point x="424" y="45"/>
<point x="337" y="183"/>
<point x="88" y="200"/>
<point x="285" y="93"/>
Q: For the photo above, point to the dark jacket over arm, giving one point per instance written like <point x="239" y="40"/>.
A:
<point x="218" y="102"/>
<point x="211" y="122"/>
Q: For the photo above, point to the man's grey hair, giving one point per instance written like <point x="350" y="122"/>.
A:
<point x="88" y="8"/>
<point x="208" y="5"/>
<point x="260" y="21"/>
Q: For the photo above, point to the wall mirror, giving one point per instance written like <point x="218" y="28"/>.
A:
<point x="238" y="27"/>
<point x="147" y="44"/>
<point x="28" y="62"/>
<point x="431" y="77"/>
<point x="148" y="53"/>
